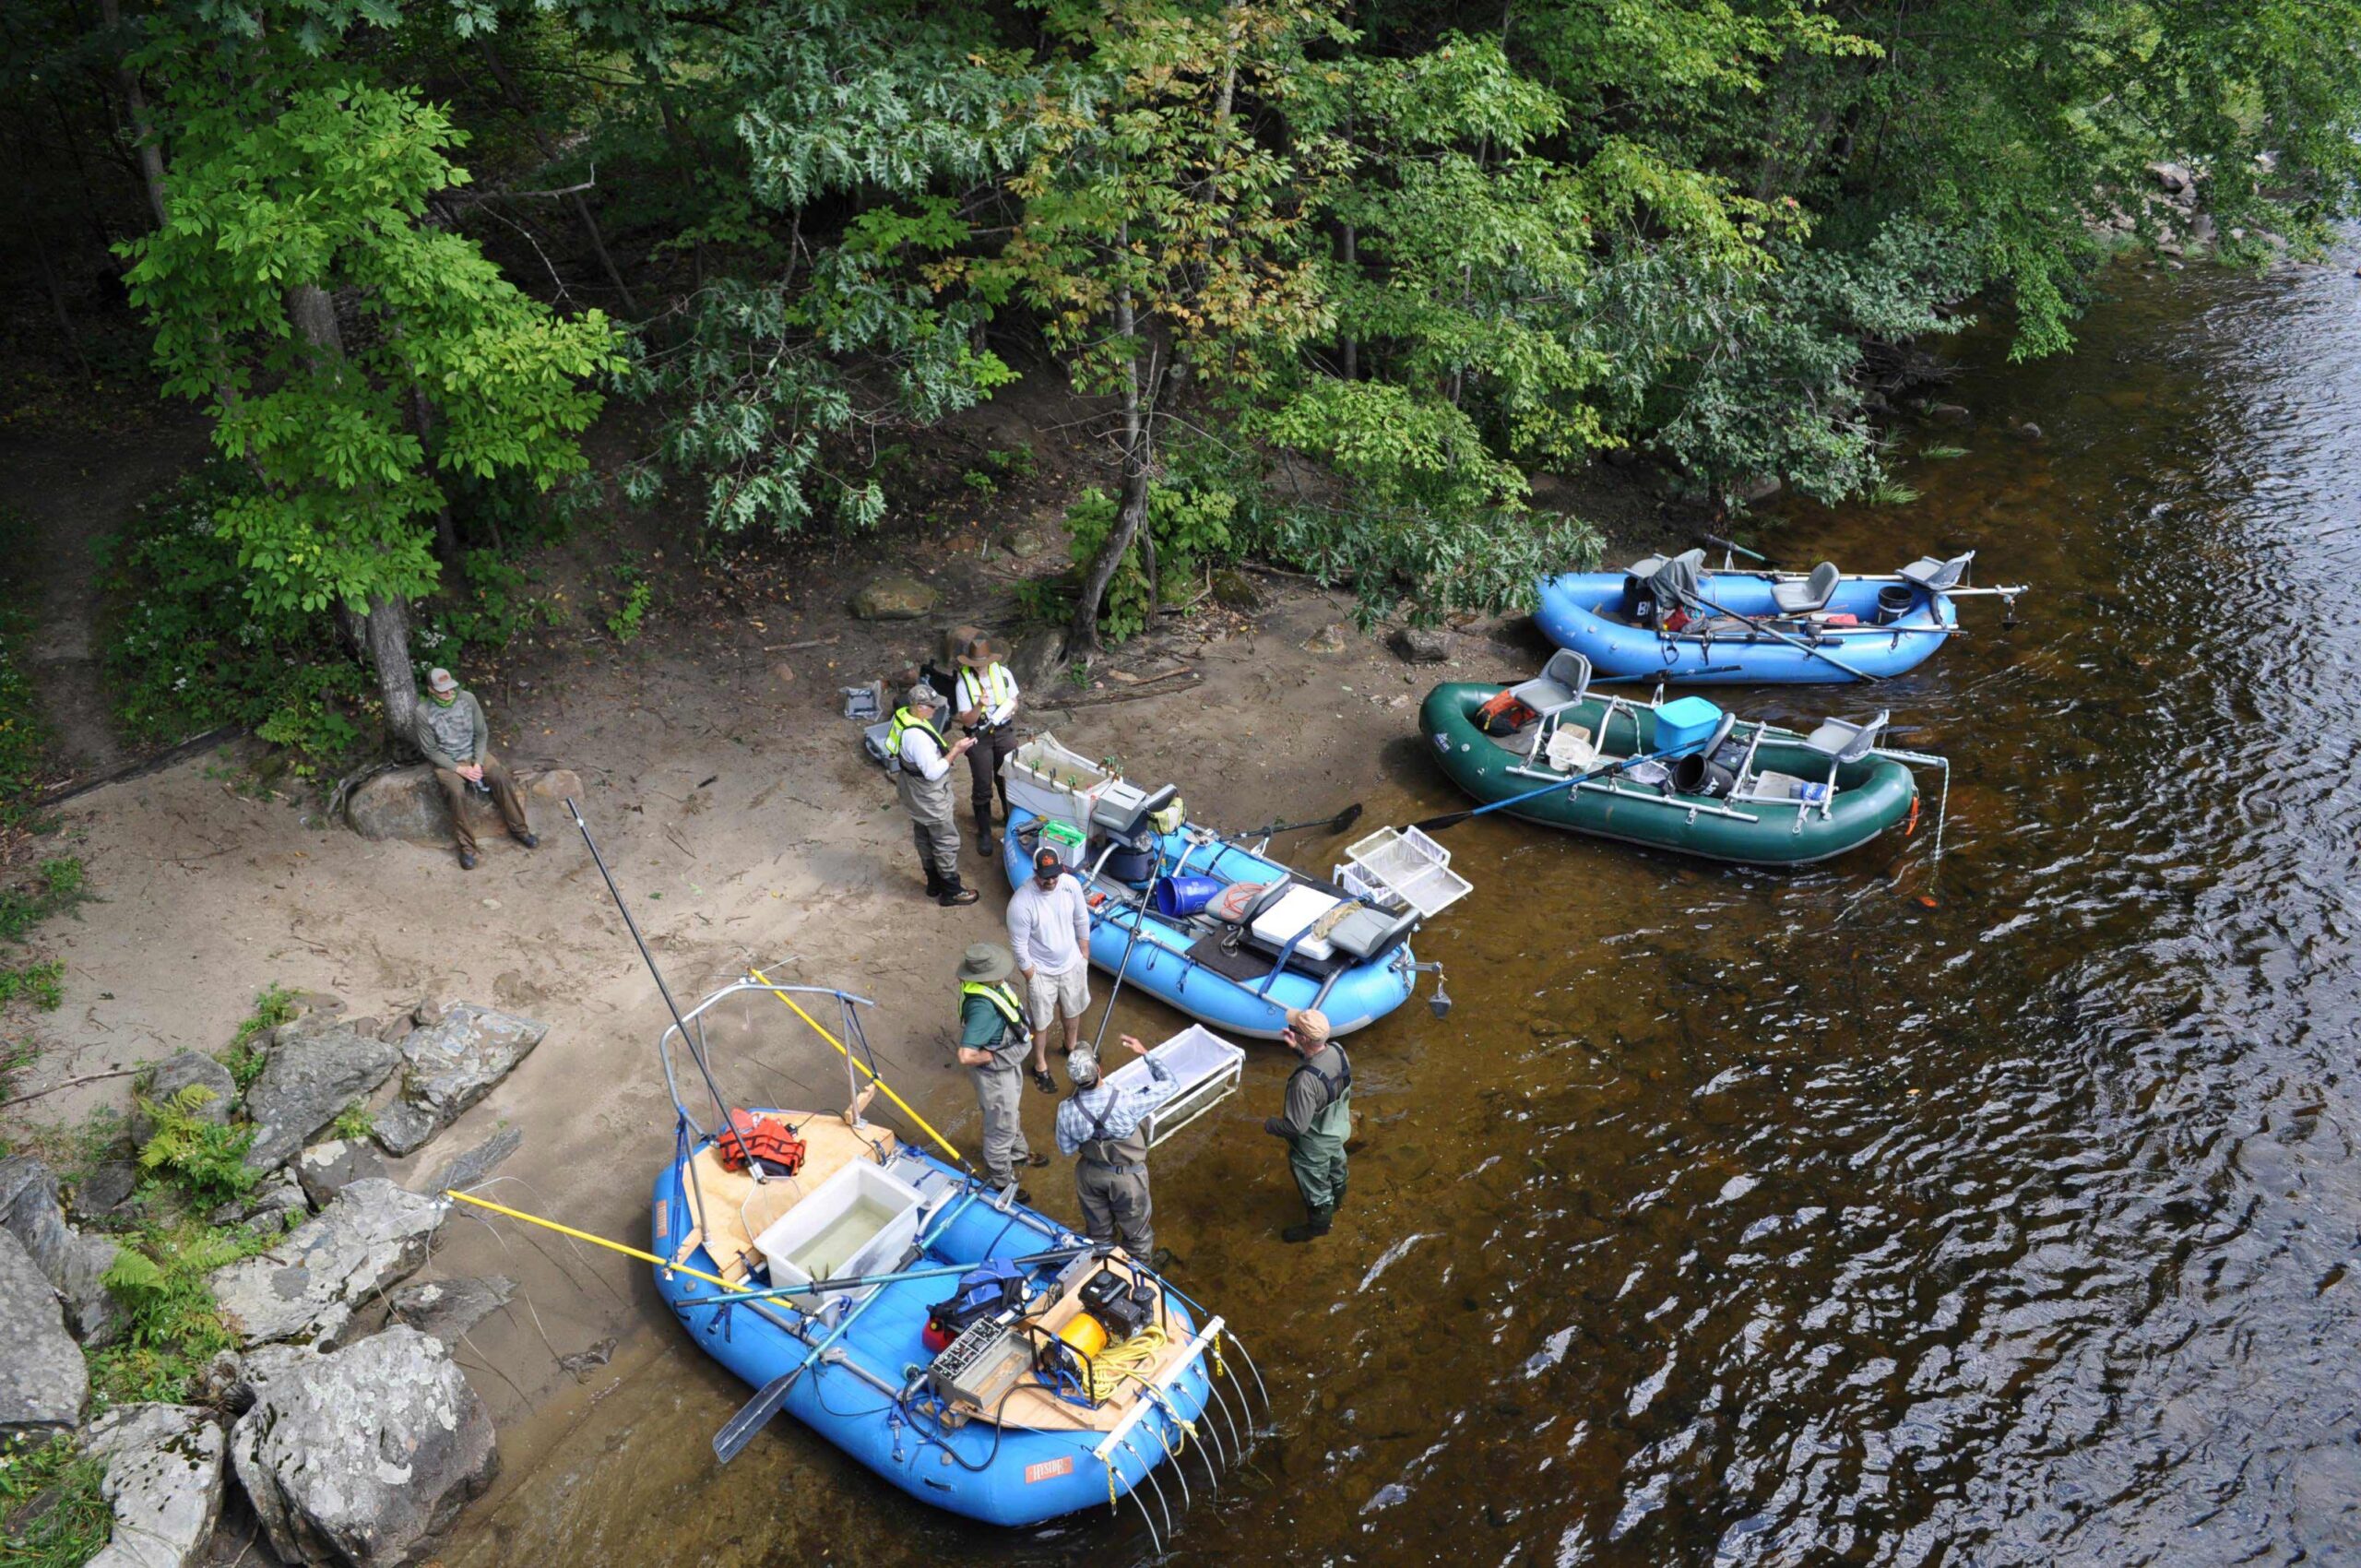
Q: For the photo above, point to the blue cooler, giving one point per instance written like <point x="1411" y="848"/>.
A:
<point x="1686" y="723"/>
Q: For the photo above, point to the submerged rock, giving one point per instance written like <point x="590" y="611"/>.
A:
<point x="163" y="1480"/>
<point x="362" y="1458"/>
<point x="448" y="1308"/>
<point x="479" y="1162"/>
<point x="454" y="1063"/>
<point x="44" y="1383"/>
<point x="305" y="1287"/>
<point x="72" y="1262"/>
<point x="315" y="1071"/>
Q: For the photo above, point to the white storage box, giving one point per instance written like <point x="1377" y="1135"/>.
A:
<point x="1205" y="1071"/>
<point x="1403" y="869"/>
<point x="1051" y="782"/>
<point x="1297" y="908"/>
<point x="858" y="1221"/>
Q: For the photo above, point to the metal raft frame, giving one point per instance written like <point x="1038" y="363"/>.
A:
<point x="1204" y="1349"/>
<point x="1692" y="808"/>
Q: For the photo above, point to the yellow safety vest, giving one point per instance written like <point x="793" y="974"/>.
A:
<point x="994" y="688"/>
<point x="1002" y="996"/>
<point x="904" y="719"/>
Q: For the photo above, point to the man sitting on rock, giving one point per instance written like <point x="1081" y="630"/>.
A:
<point x="449" y="728"/>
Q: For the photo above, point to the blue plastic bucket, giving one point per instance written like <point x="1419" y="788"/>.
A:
<point x="1179" y="895"/>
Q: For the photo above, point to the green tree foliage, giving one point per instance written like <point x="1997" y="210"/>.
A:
<point x="276" y="232"/>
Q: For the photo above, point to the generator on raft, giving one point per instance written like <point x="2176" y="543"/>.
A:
<point x="1218" y="928"/>
<point x="965" y="1348"/>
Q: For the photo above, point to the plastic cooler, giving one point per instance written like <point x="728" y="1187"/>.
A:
<point x="1053" y="783"/>
<point x="1686" y="723"/>
<point x="858" y="1221"/>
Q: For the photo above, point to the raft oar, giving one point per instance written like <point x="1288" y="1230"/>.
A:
<point x="756" y="1413"/>
<point x="941" y="1142"/>
<point x="1718" y="542"/>
<point x="1453" y="819"/>
<point x="1660" y="674"/>
<point x="1336" y="824"/>
<point x="1779" y="636"/>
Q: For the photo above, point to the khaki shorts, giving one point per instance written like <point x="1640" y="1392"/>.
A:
<point x="1047" y="995"/>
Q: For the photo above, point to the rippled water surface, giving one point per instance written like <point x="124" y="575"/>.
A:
<point x="1738" y="1218"/>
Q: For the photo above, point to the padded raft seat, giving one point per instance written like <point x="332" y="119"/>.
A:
<point x="1936" y="576"/>
<point x="1812" y="593"/>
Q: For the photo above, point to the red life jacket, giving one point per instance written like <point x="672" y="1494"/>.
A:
<point x="1504" y="714"/>
<point x="763" y="1141"/>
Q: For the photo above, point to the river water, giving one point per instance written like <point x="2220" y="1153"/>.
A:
<point x="1748" y="1218"/>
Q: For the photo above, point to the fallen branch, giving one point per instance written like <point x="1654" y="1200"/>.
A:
<point x="1165" y="687"/>
<point x="68" y="1084"/>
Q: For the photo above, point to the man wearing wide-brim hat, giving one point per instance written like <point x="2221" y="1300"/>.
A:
<point x="993" y="1039"/>
<point x="984" y="698"/>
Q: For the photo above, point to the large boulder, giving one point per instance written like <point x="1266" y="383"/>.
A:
<point x="448" y="1308"/>
<point x="406" y="802"/>
<point x="74" y="1264"/>
<point x="315" y="1068"/>
<point x="164" y="1480"/>
<point x="307" y="1287"/>
<point x="187" y="1070"/>
<point x="44" y="1383"/>
<point x="893" y="596"/>
<point x="453" y="1063"/>
<point x="327" y="1169"/>
<point x="364" y="1457"/>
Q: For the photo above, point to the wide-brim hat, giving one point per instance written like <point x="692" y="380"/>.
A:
<point x="987" y="962"/>
<point x="982" y="651"/>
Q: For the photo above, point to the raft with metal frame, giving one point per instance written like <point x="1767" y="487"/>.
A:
<point x="897" y="1228"/>
<point x="1770" y="797"/>
<point x="1756" y="626"/>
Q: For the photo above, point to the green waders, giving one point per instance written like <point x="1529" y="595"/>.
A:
<point x="1316" y="1155"/>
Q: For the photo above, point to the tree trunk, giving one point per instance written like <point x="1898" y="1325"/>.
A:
<point x="1130" y="517"/>
<point x="151" y="157"/>
<point x="1352" y="345"/>
<point x="57" y="299"/>
<point x="385" y="630"/>
<point x="446" y="530"/>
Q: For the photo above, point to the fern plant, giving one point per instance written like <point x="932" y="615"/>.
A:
<point x="206" y="1159"/>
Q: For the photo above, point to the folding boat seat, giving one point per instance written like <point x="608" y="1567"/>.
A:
<point x="1936" y="576"/>
<point x="1562" y="684"/>
<point x="1812" y="593"/>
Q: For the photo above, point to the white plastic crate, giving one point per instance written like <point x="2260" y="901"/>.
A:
<point x="1050" y="781"/>
<point x="1404" y="868"/>
<point x="1205" y="1068"/>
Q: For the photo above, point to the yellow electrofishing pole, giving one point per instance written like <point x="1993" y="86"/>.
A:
<point x="594" y="1240"/>
<point x="944" y="1144"/>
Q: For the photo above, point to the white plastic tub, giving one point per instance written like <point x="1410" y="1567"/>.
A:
<point x="858" y="1221"/>
<point x="1205" y="1071"/>
<point x="1052" y="782"/>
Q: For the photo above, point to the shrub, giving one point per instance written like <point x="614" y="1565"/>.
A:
<point x="206" y="1159"/>
<point x="1191" y="528"/>
<point x="174" y="1324"/>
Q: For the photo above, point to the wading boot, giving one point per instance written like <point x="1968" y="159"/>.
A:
<point x="1336" y="1199"/>
<point x="1315" y="1225"/>
<point x="985" y="847"/>
<point x="956" y="893"/>
<point x="933" y="881"/>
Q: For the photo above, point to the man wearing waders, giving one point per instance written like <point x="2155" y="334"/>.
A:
<point x="1318" y="1120"/>
<point x="1099" y="1129"/>
<point x="923" y="773"/>
<point x="993" y="1039"/>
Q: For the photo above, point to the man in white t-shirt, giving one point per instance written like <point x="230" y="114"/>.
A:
<point x="1049" y="927"/>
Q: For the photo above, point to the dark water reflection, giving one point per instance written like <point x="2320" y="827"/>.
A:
<point x="1784" y="1220"/>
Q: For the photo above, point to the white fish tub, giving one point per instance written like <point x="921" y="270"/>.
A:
<point x="1205" y="1071"/>
<point x="860" y="1221"/>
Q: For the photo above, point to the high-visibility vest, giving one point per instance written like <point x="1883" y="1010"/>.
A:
<point x="904" y="719"/>
<point x="1002" y="996"/>
<point x="995" y="687"/>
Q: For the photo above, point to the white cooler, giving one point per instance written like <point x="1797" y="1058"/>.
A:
<point x="858" y="1221"/>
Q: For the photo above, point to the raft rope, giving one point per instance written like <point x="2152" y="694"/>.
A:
<point x="941" y="1142"/>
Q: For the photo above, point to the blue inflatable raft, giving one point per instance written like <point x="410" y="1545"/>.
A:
<point x="1240" y="976"/>
<point x="836" y="1268"/>
<point x="1673" y="619"/>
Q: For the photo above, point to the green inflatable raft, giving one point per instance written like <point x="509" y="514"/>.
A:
<point x="1744" y="792"/>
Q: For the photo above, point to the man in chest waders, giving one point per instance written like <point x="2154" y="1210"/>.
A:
<point x="921" y="763"/>
<point x="1318" y="1119"/>
<point x="993" y="1041"/>
<point x="1102" y="1129"/>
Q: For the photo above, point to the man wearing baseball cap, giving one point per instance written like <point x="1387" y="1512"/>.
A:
<point x="921" y="761"/>
<point x="1048" y="926"/>
<point x="450" y="730"/>
<point x="1317" y="1120"/>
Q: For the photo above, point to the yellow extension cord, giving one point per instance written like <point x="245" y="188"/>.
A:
<point x="1131" y="1358"/>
